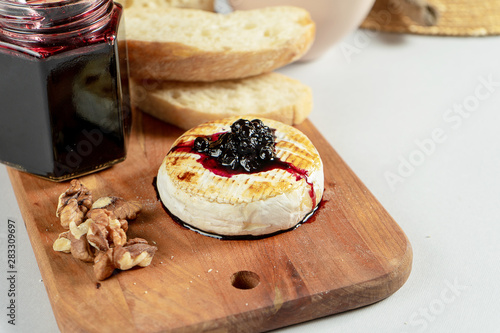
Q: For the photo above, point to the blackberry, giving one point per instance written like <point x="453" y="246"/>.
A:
<point x="201" y="144"/>
<point x="248" y="146"/>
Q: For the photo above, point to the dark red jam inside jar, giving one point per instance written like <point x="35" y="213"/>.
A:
<point x="64" y="96"/>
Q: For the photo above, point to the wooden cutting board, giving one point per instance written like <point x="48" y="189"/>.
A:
<point x="350" y="254"/>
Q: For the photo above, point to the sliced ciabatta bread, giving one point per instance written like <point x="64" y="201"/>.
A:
<point x="158" y="4"/>
<point x="196" y="45"/>
<point x="188" y="104"/>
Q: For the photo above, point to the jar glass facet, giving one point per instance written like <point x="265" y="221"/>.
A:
<point x="65" y="105"/>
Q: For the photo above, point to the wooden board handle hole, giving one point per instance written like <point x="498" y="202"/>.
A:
<point x="245" y="280"/>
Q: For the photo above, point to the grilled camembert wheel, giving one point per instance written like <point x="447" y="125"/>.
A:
<point x="241" y="177"/>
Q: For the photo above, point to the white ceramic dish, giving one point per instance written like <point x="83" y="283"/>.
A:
<point x="334" y="18"/>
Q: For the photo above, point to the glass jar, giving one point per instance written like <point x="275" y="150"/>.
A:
<point x="64" y="95"/>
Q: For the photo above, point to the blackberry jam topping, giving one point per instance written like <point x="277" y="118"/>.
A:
<point x="249" y="145"/>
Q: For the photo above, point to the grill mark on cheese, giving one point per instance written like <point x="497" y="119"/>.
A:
<point x="186" y="176"/>
<point x="293" y="148"/>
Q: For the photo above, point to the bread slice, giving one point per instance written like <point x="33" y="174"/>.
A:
<point x="188" y="104"/>
<point x="158" y="4"/>
<point x="195" y="45"/>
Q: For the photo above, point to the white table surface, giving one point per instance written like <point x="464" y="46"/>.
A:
<point x="418" y="122"/>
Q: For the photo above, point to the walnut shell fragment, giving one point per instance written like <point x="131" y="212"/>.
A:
<point x="73" y="204"/>
<point x="120" y="207"/>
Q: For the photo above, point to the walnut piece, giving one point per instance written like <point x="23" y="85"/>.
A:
<point x="100" y="216"/>
<point x="133" y="254"/>
<point x="80" y="247"/>
<point x="97" y="235"/>
<point x="62" y="243"/>
<point x="136" y="252"/>
<point x="103" y="264"/>
<point x="74" y="241"/>
<point x="136" y="240"/>
<point x="124" y="225"/>
<point x="118" y="235"/>
<point x="73" y="204"/>
<point x="97" y="232"/>
<point x="105" y="229"/>
<point x="120" y="207"/>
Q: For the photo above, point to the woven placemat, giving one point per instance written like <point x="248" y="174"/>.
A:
<point x="456" y="18"/>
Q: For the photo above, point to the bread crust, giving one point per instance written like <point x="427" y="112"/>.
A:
<point x="180" y="62"/>
<point x="194" y="4"/>
<point x="152" y="98"/>
<point x="165" y="59"/>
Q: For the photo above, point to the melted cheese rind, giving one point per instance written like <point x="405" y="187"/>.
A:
<point x="243" y="204"/>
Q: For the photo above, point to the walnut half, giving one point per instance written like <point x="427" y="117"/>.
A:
<point x="74" y="241"/>
<point x="137" y="252"/>
<point x="105" y="230"/>
<point x="73" y="204"/>
<point x="80" y="247"/>
<point x="120" y="207"/>
<point x="103" y="264"/>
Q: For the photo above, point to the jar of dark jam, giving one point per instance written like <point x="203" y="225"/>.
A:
<point x="64" y="96"/>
